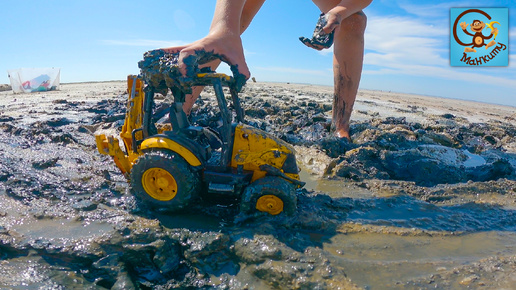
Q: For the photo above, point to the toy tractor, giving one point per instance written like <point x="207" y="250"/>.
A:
<point x="170" y="166"/>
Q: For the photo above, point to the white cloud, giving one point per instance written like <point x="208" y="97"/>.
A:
<point x="445" y="73"/>
<point x="512" y="32"/>
<point x="295" y="70"/>
<point x="434" y="12"/>
<point x="512" y="60"/>
<point x="403" y="39"/>
<point x="155" y="43"/>
<point x="145" y="42"/>
<point x="399" y="25"/>
<point x="408" y="46"/>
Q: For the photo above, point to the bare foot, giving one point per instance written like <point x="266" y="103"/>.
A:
<point x="343" y="134"/>
<point x="469" y="49"/>
<point x="490" y="44"/>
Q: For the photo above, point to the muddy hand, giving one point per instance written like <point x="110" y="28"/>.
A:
<point x="321" y="39"/>
<point x="223" y="46"/>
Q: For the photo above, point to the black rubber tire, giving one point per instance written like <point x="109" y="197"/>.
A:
<point x="269" y="185"/>
<point x="187" y="180"/>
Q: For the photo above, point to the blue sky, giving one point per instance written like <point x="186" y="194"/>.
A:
<point x="407" y="43"/>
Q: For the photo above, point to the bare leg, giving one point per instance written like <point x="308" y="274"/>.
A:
<point x="249" y="10"/>
<point x="348" y="55"/>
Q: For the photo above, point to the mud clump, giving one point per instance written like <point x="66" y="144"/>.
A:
<point x="404" y="185"/>
<point x="4" y="87"/>
<point x="161" y="70"/>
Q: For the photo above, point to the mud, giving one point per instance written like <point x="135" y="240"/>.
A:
<point x="319" y="40"/>
<point x="424" y="197"/>
<point x="5" y="87"/>
<point x="161" y="70"/>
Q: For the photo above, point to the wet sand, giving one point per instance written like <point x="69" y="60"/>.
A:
<point x="424" y="197"/>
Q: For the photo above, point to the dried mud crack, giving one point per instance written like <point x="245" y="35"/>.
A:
<point x="423" y="197"/>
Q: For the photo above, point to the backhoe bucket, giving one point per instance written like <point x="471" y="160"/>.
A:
<point x="110" y="146"/>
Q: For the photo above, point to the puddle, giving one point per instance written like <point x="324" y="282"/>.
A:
<point x="408" y="212"/>
<point x="50" y="229"/>
<point x="335" y="187"/>
<point x="192" y="221"/>
<point x="34" y="272"/>
<point x="17" y="217"/>
<point x="379" y="261"/>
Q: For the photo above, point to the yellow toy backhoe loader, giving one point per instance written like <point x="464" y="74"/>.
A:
<point x="169" y="166"/>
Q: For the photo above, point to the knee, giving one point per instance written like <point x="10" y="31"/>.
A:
<point x="354" y="25"/>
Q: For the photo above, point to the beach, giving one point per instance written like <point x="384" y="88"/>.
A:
<point x="424" y="197"/>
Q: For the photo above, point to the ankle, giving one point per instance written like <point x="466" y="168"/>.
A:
<point x="342" y="133"/>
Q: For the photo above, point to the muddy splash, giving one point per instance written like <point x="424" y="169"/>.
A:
<point x="424" y="197"/>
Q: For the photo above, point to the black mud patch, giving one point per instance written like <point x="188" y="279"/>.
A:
<point x="442" y="149"/>
<point x="68" y="221"/>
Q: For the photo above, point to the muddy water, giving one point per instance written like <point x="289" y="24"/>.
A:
<point x="363" y="219"/>
<point x="33" y="227"/>
<point x="336" y="187"/>
<point x="386" y="261"/>
<point x="379" y="261"/>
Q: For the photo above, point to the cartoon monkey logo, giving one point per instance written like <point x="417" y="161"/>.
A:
<point x="477" y="27"/>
